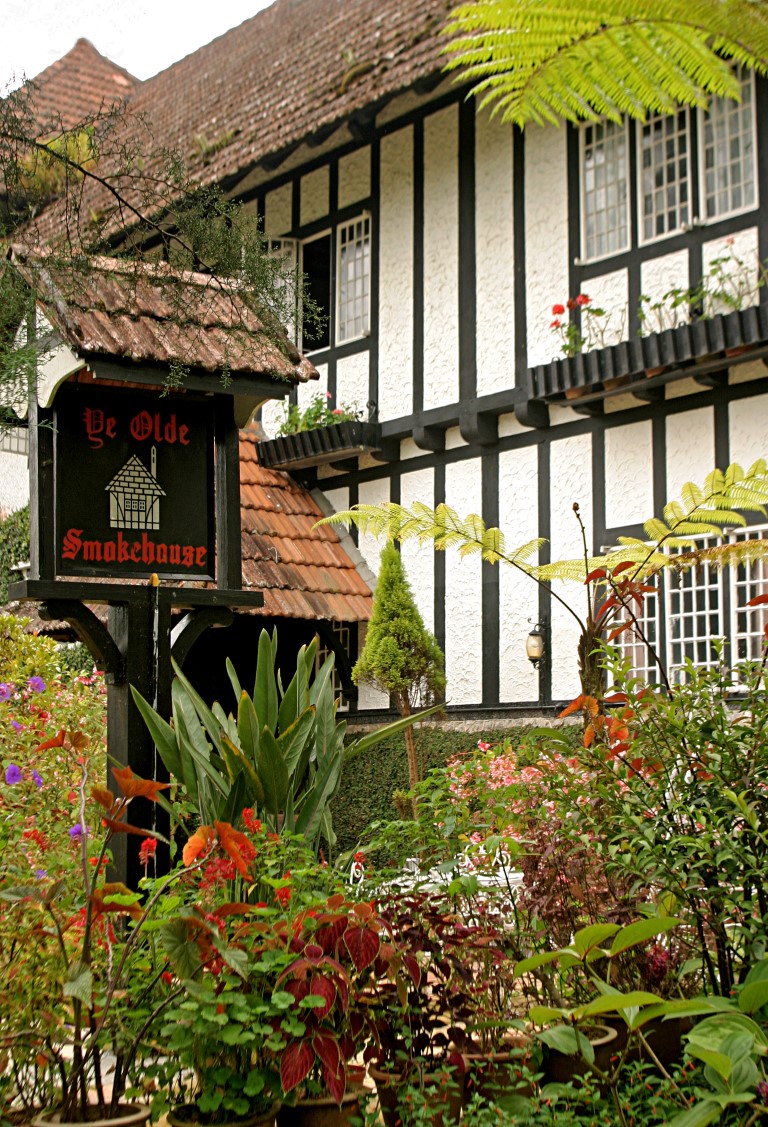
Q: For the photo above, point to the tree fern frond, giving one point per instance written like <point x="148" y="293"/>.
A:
<point x="542" y="60"/>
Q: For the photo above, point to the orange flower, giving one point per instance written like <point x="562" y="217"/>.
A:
<point x="200" y="842"/>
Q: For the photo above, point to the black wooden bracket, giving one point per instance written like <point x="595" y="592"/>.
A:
<point x="186" y="632"/>
<point x="711" y="379"/>
<point x="91" y="632"/>
<point x="429" y="438"/>
<point x="478" y="428"/>
<point x="647" y="394"/>
<point x="532" y="413"/>
<point x="593" y="407"/>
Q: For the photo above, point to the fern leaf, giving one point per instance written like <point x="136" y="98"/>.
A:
<point x="543" y="61"/>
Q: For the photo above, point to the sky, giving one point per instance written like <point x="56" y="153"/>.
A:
<point x="142" y="37"/>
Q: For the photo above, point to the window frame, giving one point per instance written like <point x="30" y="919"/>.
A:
<point x="687" y="132"/>
<point x="582" y="194"/>
<point x="702" y="116"/>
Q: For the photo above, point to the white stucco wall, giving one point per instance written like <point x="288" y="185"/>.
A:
<point x="628" y="474"/>
<point x="441" y="258"/>
<point x="740" y="250"/>
<point x="14" y="482"/>
<point x="272" y="415"/>
<point x="419" y="559"/>
<point x="658" y="276"/>
<point x="371" y="493"/>
<point x="463" y="593"/>
<point x="571" y="481"/>
<point x="546" y="251"/>
<point x="314" y="195"/>
<point x="396" y="276"/>
<point x="494" y="234"/>
<point x="277" y="210"/>
<point x="355" y="176"/>
<point x="518" y="595"/>
<point x="690" y="440"/>
<point x="352" y="382"/>
<point x="610" y="293"/>
<point x="748" y="430"/>
<point x="307" y="391"/>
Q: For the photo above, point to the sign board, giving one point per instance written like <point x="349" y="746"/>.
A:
<point x="134" y="485"/>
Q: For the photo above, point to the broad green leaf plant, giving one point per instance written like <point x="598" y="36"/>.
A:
<point x="539" y="61"/>
<point x="282" y="755"/>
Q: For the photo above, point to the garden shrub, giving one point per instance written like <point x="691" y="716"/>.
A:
<point x="24" y="655"/>
<point x="14" y="547"/>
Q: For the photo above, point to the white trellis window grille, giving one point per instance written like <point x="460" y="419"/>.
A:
<point x="728" y="152"/>
<point x="14" y="440"/>
<point x="342" y="635"/>
<point x="664" y="175"/>
<point x="747" y="623"/>
<point x="354" y="279"/>
<point x="701" y="605"/>
<point x="604" y="200"/>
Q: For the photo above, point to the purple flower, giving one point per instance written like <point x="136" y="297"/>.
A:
<point x="5" y="691"/>
<point x="15" y="724"/>
<point x="37" y="779"/>
<point x="77" y="831"/>
<point x="41" y="873"/>
<point x="12" y="774"/>
<point x="36" y="683"/>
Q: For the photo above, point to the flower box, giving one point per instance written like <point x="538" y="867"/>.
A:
<point x="332" y="443"/>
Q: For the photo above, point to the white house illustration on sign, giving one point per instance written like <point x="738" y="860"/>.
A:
<point x="134" y="500"/>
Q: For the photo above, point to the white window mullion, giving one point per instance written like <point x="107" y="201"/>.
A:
<point x="728" y="152"/>
<point x="663" y="171"/>
<point x="604" y="169"/>
<point x="353" y="286"/>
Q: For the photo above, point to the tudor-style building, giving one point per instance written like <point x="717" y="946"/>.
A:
<point x="438" y="242"/>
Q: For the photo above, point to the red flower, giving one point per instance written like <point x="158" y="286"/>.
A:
<point x="583" y="299"/>
<point x="571" y="303"/>
<point x="556" y="323"/>
<point x="283" y="895"/>
<point x="558" y="310"/>
<point x="147" y="850"/>
<point x="167" y="977"/>
<point x="251" y="823"/>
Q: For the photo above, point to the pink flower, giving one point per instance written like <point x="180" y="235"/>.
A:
<point x="583" y="299"/>
<point x="337" y="411"/>
<point x="482" y="746"/>
<point x="558" y="310"/>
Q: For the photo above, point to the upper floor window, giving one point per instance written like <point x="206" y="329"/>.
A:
<point x="671" y="193"/>
<point x="728" y="155"/>
<point x="604" y="188"/>
<point x="664" y="175"/>
<point x="336" y="268"/>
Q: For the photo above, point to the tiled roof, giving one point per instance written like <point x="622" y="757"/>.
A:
<point x="304" y="572"/>
<point x="77" y="86"/>
<point x="294" y="69"/>
<point x="149" y="313"/>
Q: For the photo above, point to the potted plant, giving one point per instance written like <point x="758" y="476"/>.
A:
<point x="341" y="949"/>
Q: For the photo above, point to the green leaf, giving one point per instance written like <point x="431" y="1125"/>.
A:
<point x="248" y="728"/>
<point x="640" y="932"/>
<point x="616" y="1003"/>
<point x="566" y="1039"/>
<point x="265" y="686"/>
<point x="163" y="736"/>
<point x="183" y="955"/>
<point x="273" y="773"/>
<point x="79" y="984"/>
<point x="707" y="1111"/>
<point x="753" y="996"/>
<point x="593" y="936"/>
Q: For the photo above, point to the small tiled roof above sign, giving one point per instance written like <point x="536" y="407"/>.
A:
<point x="79" y="85"/>
<point x="304" y="571"/>
<point x="148" y="313"/>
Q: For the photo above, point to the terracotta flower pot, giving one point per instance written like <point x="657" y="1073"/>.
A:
<point x="446" y="1101"/>
<point x="323" y="1111"/>
<point x="560" y="1068"/>
<point x="128" y="1115"/>
<point x="187" y="1115"/>
<point x="498" y="1073"/>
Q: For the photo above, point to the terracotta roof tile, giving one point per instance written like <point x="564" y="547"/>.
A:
<point x="77" y="86"/>
<point x="304" y="572"/>
<point x="149" y="313"/>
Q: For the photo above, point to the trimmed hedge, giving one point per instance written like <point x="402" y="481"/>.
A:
<point x="14" y="547"/>
<point x="365" y="794"/>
